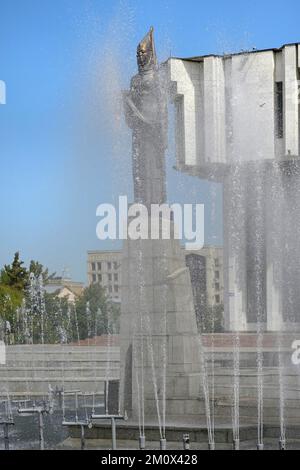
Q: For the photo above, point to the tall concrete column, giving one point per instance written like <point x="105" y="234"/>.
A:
<point x="274" y="196"/>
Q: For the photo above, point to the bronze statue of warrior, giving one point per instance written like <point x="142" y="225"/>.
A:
<point x="146" y="115"/>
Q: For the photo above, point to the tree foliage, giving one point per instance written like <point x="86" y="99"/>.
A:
<point x="10" y="301"/>
<point x="15" y="275"/>
<point x="96" y="314"/>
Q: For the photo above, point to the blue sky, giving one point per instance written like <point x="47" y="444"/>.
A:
<point x="63" y="147"/>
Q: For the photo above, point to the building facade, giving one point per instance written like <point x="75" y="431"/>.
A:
<point x="104" y="268"/>
<point x="238" y="122"/>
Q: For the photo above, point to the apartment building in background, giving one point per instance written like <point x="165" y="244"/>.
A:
<point x="104" y="268"/>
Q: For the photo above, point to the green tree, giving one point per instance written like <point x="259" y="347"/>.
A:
<point x="15" y="275"/>
<point x="58" y="320"/>
<point x="96" y="315"/>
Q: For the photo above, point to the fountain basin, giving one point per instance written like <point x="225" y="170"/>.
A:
<point x="174" y="431"/>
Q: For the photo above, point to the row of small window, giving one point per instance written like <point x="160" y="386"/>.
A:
<point x="110" y="288"/>
<point x="99" y="277"/>
<point x="98" y="266"/>
<point x="113" y="289"/>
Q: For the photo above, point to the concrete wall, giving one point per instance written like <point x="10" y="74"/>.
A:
<point x="226" y="107"/>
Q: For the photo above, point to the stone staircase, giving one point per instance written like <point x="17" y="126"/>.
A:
<point x="30" y="369"/>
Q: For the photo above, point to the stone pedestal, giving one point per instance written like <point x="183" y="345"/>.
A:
<point x="160" y="345"/>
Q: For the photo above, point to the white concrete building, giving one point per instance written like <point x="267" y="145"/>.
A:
<point x="236" y="107"/>
<point x="237" y="122"/>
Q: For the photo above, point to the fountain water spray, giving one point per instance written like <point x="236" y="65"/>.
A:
<point x="235" y="202"/>
<point x="138" y="352"/>
<point x="40" y="411"/>
<point x="108" y="359"/>
<point x="205" y="388"/>
<point x="236" y="391"/>
<point x="143" y="345"/>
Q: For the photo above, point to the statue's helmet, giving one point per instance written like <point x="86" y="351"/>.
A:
<point x="146" y="55"/>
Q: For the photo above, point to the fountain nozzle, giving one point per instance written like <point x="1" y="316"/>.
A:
<point x="282" y="444"/>
<point x="260" y="446"/>
<point x="163" y="444"/>
<point x="142" y="442"/>
<point x="236" y="444"/>
<point x="186" y="441"/>
<point x="211" y="446"/>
